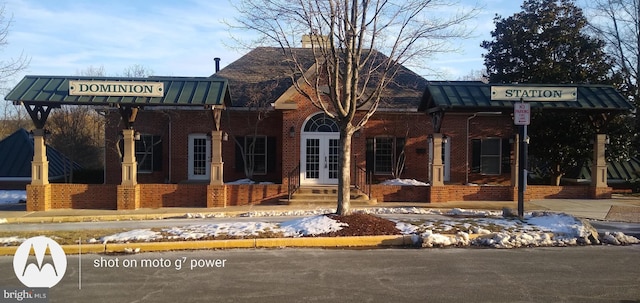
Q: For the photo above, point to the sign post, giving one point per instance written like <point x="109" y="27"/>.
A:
<point x="522" y="117"/>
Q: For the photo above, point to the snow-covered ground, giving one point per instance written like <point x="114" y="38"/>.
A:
<point x="460" y="228"/>
<point x="12" y="196"/>
<point x="486" y="229"/>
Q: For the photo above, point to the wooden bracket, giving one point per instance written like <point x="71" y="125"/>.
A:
<point x="129" y="114"/>
<point x="39" y="113"/>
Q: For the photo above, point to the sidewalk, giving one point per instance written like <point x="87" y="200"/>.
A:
<point x="620" y="208"/>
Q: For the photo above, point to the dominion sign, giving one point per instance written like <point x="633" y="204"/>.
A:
<point x="116" y="88"/>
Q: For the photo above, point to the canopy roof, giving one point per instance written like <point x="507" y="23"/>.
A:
<point x="16" y="153"/>
<point x="476" y="96"/>
<point x="175" y="91"/>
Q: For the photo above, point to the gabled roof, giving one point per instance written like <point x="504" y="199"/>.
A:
<point x="178" y="91"/>
<point x="261" y="76"/>
<point x="16" y="154"/>
<point x="476" y="96"/>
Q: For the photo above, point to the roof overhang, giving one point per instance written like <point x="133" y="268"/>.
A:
<point x="473" y="96"/>
<point x="118" y="91"/>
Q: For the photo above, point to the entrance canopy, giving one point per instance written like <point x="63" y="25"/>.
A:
<point x="476" y="96"/>
<point x="115" y="91"/>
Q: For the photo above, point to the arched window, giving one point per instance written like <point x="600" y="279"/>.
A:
<point x="321" y="123"/>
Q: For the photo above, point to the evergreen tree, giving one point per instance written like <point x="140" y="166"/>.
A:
<point x="547" y="43"/>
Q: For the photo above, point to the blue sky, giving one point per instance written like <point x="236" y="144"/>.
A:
<point x="172" y="38"/>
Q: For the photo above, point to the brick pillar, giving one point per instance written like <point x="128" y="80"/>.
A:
<point x="217" y="165"/>
<point x="128" y="197"/>
<point x="38" y="197"/>
<point x="438" y="194"/>
<point x="216" y="196"/>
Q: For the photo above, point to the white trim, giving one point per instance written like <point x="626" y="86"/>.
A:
<point x="190" y="159"/>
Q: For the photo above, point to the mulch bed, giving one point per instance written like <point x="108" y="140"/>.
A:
<point x="362" y="225"/>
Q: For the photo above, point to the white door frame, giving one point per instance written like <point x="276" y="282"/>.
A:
<point x="326" y="159"/>
<point x="195" y="162"/>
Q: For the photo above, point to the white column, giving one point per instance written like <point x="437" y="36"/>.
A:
<point x="40" y="164"/>
<point x="437" y="168"/>
<point x="129" y="164"/>
<point x="599" y="167"/>
<point x="216" y="158"/>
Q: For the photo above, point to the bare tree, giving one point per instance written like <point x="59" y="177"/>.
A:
<point x="618" y="23"/>
<point x="348" y="38"/>
<point x="137" y="71"/>
<point x="92" y="71"/>
<point x="246" y="138"/>
<point x="14" y="117"/>
<point x="476" y="75"/>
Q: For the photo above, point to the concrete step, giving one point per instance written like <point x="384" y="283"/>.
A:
<point x="325" y="196"/>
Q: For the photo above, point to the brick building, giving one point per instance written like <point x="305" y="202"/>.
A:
<point x="180" y="148"/>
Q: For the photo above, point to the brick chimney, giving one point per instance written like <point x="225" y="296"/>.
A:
<point x="310" y="40"/>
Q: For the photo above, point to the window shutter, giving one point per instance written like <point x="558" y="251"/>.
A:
<point x="157" y="153"/>
<point x="476" y="155"/>
<point x="506" y="156"/>
<point x="239" y="159"/>
<point x="271" y="154"/>
<point x="370" y="155"/>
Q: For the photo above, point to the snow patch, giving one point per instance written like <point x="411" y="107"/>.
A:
<point x="404" y="182"/>
<point x="132" y="235"/>
<point x="618" y="238"/>
<point x="311" y="226"/>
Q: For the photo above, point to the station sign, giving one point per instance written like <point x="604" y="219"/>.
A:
<point x="534" y="93"/>
<point x="116" y="88"/>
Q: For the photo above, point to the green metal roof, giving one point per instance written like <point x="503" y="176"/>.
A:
<point x="16" y="153"/>
<point x="178" y="91"/>
<point x="476" y="95"/>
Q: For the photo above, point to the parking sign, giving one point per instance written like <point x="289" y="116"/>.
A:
<point x="521" y="113"/>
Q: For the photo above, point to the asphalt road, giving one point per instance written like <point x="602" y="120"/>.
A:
<point x="572" y="274"/>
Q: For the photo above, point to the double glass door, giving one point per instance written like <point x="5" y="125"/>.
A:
<point x="319" y="156"/>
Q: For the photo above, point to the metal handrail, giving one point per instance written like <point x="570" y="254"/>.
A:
<point x="294" y="181"/>
<point x="362" y="180"/>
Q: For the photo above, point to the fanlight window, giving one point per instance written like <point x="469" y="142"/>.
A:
<point x="321" y="123"/>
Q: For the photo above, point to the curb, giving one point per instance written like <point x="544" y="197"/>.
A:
<point x="326" y="242"/>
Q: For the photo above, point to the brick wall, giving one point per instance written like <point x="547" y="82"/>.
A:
<point x="557" y="192"/>
<point x="253" y="194"/>
<point x="173" y="195"/>
<point x="479" y="193"/>
<point x="83" y="196"/>
<point x="397" y="193"/>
